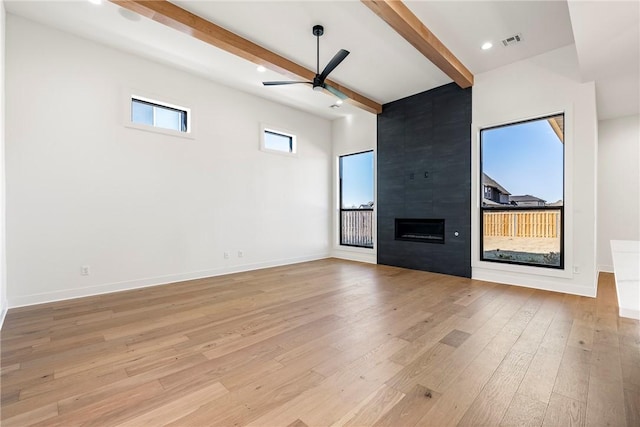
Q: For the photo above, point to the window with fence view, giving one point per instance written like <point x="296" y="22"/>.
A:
<point x="522" y="192"/>
<point x="356" y="199"/>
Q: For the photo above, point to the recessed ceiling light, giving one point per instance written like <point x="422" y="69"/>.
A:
<point x="261" y="69"/>
<point x="95" y="1"/>
<point x="487" y="45"/>
<point x="339" y="102"/>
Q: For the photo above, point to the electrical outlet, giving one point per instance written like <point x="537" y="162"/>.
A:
<point x="226" y="255"/>
<point x="240" y="254"/>
<point x="85" y="270"/>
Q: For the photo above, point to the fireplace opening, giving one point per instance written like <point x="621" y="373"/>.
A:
<point x="425" y="230"/>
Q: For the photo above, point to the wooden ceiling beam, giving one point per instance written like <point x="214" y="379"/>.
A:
<point x="558" y="128"/>
<point x="400" y="18"/>
<point x="173" y="16"/>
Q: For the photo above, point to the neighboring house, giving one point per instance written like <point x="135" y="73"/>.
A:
<point x="368" y="205"/>
<point x="493" y="193"/>
<point x="527" y="200"/>
<point x="556" y="203"/>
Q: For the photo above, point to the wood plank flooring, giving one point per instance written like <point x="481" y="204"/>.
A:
<point x="324" y="343"/>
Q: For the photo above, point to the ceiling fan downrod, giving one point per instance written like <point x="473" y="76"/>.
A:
<point x="318" y="30"/>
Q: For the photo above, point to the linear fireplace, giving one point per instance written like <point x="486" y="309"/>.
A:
<point x="426" y="230"/>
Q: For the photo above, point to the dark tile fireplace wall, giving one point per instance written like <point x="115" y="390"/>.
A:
<point x="424" y="171"/>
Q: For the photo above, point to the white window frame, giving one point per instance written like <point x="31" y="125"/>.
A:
<point x="278" y="130"/>
<point x="131" y="95"/>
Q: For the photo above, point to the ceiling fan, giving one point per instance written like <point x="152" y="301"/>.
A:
<point x="318" y="81"/>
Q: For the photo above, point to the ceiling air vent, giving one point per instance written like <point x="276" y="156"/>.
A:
<point x="515" y="39"/>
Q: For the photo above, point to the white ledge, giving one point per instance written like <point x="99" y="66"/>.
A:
<point x="626" y="267"/>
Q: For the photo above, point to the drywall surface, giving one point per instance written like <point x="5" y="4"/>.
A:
<point x="535" y="87"/>
<point x="618" y="185"/>
<point x="3" y="254"/>
<point x="138" y="207"/>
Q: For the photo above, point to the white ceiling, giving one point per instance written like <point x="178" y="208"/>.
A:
<point x="381" y="66"/>
<point x="609" y="56"/>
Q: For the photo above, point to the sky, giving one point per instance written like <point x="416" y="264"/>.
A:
<point x="526" y="158"/>
<point x="357" y="179"/>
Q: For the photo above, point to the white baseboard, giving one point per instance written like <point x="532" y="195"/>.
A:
<point x="107" y="288"/>
<point x="3" y="313"/>
<point x="542" y="282"/>
<point x="356" y="255"/>
<point x="630" y="313"/>
<point x="605" y="268"/>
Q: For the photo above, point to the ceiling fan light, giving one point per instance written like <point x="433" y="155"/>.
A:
<point x="318" y="88"/>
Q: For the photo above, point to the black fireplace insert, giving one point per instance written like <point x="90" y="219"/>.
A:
<point x="426" y="230"/>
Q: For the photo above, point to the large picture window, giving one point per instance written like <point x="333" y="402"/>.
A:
<point x="356" y="199"/>
<point x="522" y="193"/>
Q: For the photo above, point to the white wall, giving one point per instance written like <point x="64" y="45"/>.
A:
<point x="3" y="257"/>
<point x="534" y="87"/>
<point x="140" y="207"/>
<point x="618" y="185"/>
<point x="351" y="134"/>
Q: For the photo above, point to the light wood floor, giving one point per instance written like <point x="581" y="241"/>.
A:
<point x="323" y="343"/>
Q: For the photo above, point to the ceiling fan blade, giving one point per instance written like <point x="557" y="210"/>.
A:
<point x="335" y="61"/>
<point x="336" y="92"/>
<point x="283" y="83"/>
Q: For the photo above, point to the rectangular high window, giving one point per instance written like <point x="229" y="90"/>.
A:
<point x="522" y="193"/>
<point x="277" y="141"/>
<point x="152" y="113"/>
<point x="356" y="199"/>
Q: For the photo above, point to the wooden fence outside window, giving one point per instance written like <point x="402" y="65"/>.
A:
<point x="529" y="223"/>
<point x="356" y="227"/>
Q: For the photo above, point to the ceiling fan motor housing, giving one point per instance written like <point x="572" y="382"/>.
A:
<point x="318" y="84"/>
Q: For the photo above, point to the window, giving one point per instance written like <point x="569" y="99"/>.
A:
<point x="277" y="141"/>
<point x="356" y="199"/>
<point x="153" y="113"/>
<point x="487" y="192"/>
<point x="522" y="208"/>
